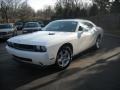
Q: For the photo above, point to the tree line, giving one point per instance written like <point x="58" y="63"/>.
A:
<point x="21" y="10"/>
<point x="15" y="10"/>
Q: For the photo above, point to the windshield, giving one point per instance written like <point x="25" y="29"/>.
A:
<point x="19" y="23"/>
<point x="62" y="26"/>
<point x="27" y="25"/>
<point x="5" y="26"/>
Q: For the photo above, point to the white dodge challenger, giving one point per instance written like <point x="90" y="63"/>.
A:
<point x="57" y="43"/>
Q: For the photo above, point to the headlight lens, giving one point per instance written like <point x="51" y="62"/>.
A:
<point x="10" y="44"/>
<point x="40" y="48"/>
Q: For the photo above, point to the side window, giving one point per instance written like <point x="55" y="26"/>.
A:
<point x="80" y="28"/>
<point x="38" y="25"/>
<point x="11" y="26"/>
<point x="89" y="25"/>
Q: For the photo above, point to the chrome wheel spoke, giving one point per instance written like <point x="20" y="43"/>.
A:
<point x="65" y="54"/>
<point x="98" y="43"/>
<point x="64" y="58"/>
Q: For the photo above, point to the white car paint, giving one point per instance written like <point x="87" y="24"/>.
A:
<point x="9" y="32"/>
<point x="53" y="40"/>
<point x="6" y="30"/>
<point x="31" y="29"/>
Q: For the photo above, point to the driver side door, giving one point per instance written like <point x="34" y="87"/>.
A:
<point x="85" y="36"/>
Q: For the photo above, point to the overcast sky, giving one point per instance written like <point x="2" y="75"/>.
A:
<point x="40" y="4"/>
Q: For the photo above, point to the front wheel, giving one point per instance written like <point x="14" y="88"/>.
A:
<point x="64" y="58"/>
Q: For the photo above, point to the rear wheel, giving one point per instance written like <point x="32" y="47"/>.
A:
<point x="64" y="57"/>
<point x="98" y="43"/>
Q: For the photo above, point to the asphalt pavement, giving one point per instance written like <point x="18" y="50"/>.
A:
<point x="90" y="70"/>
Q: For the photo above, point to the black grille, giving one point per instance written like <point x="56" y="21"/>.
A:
<point x="22" y="46"/>
<point x="3" y="33"/>
<point x="22" y="59"/>
<point x="30" y="31"/>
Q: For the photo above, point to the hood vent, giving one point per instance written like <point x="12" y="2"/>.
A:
<point x="51" y="34"/>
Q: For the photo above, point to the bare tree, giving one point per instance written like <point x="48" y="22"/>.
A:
<point x="46" y="13"/>
<point x="70" y="9"/>
<point x="4" y="10"/>
<point x="25" y="12"/>
<point x="115" y="7"/>
<point x="103" y="5"/>
<point x="8" y="8"/>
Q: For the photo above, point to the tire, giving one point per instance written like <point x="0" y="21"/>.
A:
<point x="64" y="58"/>
<point x="98" y="43"/>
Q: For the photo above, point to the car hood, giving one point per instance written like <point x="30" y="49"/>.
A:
<point x="6" y="30"/>
<point x="32" y="28"/>
<point x="43" y="38"/>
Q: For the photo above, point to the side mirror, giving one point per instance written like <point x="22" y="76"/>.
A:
<point x="79" y="33"/>
<point x="85" y="30"/>
<point x="80" y="28"/>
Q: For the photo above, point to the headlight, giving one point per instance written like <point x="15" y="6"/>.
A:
<point x="40" y="48"/>
<point x="10" y="44"/>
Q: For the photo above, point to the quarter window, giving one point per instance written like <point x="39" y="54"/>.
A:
<point x="80" y="28"/>
<point x="89" y="25"/>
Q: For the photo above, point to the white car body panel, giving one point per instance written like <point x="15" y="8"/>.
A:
<point x="6" y="30"/>
<point x="32" y="28"/>
<point x="28" y="29"/>
<point x="37" y="58"/>
<point x="9" y="32"/>
<point x="79" y="40"/>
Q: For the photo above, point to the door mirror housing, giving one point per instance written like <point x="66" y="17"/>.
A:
<point x="79" y="33"/>
<point x="85" y="30"/>
<point x="80" y="28"/>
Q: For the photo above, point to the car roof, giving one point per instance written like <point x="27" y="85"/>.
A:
<point x="31" y="22"/>
<point x="77" y="20"/>
<point x="5" y="24"/>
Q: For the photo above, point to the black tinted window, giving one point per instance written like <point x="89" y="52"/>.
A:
<point x="18" y="23"/>
<point x="89" y="25"/>
<point x="63" y="26"/>
<point x="31" y="25"/>
<point x="5" y="26"/>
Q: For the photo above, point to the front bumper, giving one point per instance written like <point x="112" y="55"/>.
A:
<point x="38" y="58"/>
<point x="6" y="35"/>
<point x="29" y="31"/>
